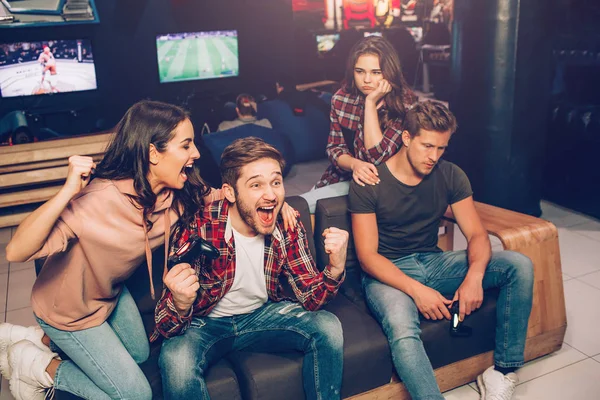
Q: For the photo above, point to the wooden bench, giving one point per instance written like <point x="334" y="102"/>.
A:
<point x="32" y="173"/>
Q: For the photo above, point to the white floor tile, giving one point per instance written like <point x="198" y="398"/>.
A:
<point x="5" y="235"/>
<point x="3" y="291"/>
<point x="23" y="316"/>
<point x="561" y="217"/>
<point x="579" y="381"/>
<point x="462" y="393"/>
<point x="566" y="277"/>
<point x="552" y="362"/>
<point x="590" y="229"/>
<point x="597" y="358"/>
<point x="579" y="254"/>
<point x="583" y="317"/>
<point x="592" y="279"/>
<point x="15" y="266"/>
<point x="19" y="289"/>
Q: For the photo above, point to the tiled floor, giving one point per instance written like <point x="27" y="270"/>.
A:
<point x="571" y="373"/>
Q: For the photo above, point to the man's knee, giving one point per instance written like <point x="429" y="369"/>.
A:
<point x="520" y="269"/>
<point x="178" y="361"/>
<point x="329" y="329"/>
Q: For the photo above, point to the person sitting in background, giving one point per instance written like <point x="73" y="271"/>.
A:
<point x="245" y="107"/>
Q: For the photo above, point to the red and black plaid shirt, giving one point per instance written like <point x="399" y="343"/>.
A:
<point x="348" y="113"/>
<point x="286" y="256"/>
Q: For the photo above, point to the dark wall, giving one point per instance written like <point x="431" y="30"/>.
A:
<point x="124" y="48"/>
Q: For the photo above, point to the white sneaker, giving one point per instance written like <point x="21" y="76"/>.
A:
<point x="494" y="385"/>
<point x="28" y="363"/>
<point x="10" y="334"/>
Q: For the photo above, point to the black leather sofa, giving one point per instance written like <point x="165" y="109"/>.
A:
<point x="367" y="360"/>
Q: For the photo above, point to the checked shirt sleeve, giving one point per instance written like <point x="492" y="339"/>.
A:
<point x="387" y="147"/>
<point x="336" y="145"/>
<point x="312" y="288"/>
<point x="168" y="321"/>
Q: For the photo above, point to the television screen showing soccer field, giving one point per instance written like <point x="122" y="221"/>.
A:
<point x="53" y="66"/>
<point x="197" y="55"/>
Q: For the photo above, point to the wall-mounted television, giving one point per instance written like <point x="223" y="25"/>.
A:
<point x="197" y="55"/>
<point x="326" y="42"/>
<point x="46" y="67"/>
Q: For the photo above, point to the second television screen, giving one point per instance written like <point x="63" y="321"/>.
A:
<point x="197" y="55"/>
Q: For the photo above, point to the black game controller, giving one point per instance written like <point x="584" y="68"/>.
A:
<point x="457" y="329"/>
<point x="191" y="250"/>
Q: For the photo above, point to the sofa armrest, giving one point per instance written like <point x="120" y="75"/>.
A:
<point x="538" y="240"/>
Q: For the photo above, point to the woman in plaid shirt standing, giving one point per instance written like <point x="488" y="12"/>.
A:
<point x="366" y="116"/>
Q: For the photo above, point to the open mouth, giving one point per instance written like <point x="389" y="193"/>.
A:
<point x="183" y="173"/>
<point x="266" y="214"/>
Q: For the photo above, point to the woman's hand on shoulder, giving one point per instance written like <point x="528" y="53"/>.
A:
<point x="78" y="176"/>
<point x="364" y="173"/>
<point x="290" y="216"/>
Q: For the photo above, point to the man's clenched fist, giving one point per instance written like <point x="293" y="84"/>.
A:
<point x="336" y="244"/>
<point x="183" y="284"/>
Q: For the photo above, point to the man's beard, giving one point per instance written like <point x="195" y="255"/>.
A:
<point x="248" y="215"/>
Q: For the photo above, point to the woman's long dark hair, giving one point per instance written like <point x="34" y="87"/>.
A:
<point x="127" y="157"/>
<point x="400" y="96"/>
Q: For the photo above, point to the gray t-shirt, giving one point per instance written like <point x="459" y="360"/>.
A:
<point x="408" y="217"/>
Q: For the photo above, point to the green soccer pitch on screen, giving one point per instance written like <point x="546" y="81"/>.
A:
<point x="197" y="55"/>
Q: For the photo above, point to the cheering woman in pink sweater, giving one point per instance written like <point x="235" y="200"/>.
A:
<point x="94" y="236"/>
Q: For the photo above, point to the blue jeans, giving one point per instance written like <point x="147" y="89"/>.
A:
<point x="275" y="327"/>
<point x="398" y="315"/>
<point x="104" y="360"/>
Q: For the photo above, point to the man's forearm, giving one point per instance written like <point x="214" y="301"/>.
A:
<point x="386" y="272"/>
<point x="479" y="253"/>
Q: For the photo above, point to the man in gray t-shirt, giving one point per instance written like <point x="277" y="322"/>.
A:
<point x="395" y="226"/>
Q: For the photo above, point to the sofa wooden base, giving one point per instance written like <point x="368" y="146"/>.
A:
<point x="467" y="370"/>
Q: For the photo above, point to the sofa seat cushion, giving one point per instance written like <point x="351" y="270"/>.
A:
<point x="367" y="360"/>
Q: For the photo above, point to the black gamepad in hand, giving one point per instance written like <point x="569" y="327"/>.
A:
<point x="457" y="328"/>
<point x="191" y="250"/>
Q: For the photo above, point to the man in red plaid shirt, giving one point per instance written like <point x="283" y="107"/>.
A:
<point x="237" y="301"/>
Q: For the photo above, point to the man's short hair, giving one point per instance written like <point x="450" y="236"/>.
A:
<point x="431" y="116"/>
<point x="244" y="105"/>
<point x="242" y="152"/>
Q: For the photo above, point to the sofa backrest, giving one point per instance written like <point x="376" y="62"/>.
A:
<point x="330" y="212"/>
